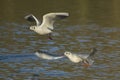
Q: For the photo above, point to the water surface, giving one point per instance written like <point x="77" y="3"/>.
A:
<point x="90" y="24"/>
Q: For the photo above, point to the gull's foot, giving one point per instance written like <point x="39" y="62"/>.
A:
<point x="86" y="65"/>
<point x="50" y="37"/>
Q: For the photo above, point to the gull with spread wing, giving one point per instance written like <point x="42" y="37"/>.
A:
<point x="47" y="25"/>
<point x="85" y="59"/>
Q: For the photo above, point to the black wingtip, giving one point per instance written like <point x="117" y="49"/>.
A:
<point x="93" y="51"/>
<point x="29" y="18"/>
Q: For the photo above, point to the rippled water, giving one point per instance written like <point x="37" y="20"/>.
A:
<point x="88" y="26"/>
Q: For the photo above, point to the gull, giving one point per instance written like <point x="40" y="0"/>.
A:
<point x="46" y="27"/>
<point x="85" y="59"/>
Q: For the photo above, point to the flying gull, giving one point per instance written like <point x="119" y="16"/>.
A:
<point x="47" y="25"/>
<point x="85" y="59"/>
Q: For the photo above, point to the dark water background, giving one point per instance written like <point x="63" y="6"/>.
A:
<point x="92" y="23"/>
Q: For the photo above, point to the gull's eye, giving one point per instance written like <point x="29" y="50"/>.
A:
<point x="67" y="53"/>
<point x="33" y="27"/>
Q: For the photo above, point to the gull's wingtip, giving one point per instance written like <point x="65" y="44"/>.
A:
<point x="27" y="16"/>
<point x="67" y="14"/>
<point x="63" y="13"/>
<point x="92" y="52"/>
<point x="94" y="49"/>
<point x="30" y="18"/>
<point x="58" y="13"/>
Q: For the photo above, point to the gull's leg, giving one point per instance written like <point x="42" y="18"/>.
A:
<point x="86" y="63"/>
<point x="49" y="36"/>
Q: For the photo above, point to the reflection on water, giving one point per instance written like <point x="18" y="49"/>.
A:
<point x="91" y="24"/>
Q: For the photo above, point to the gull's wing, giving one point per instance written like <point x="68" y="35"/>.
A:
<point x="32" y="18"/>
<point x="91" y="54"/>
<point x="88" y="59"/>
<point x="83" y="56"/>
<point x="44" y="55"/>
<point x="50" y="18"/>
<point x="93" y="51"/>
<point x="60" y="15"/>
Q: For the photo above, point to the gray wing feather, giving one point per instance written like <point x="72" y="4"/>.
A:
<point x="44" y="55"/>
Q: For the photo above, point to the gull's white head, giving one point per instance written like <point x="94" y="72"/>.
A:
<point x="32" y="27"/>
<point x="73" y="57"/>
<point x="68" y="54"/>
